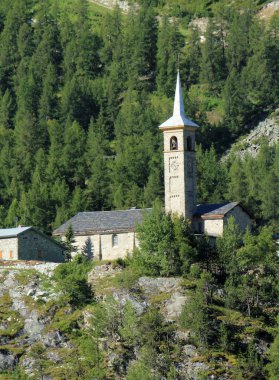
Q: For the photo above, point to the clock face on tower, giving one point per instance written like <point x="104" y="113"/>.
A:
<point x="174" y="165"/>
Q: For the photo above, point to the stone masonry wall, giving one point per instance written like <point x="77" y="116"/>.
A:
<point x="34" y="246"/>
<point x="242" y="218"/>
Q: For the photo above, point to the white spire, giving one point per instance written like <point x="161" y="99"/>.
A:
<point x="178" y="118"/>
<point x="178" y="106"/>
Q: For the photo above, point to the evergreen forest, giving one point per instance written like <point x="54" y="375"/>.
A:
<point x="84" y="88"/>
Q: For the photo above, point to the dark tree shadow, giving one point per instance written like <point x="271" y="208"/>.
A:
<point x="88" y="249"/>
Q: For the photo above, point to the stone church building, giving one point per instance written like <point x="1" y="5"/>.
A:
<point x="111" y="234"/>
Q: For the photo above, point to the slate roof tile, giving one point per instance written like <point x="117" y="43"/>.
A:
<point x="214" y="209"/>
<point x="103" y="221"/>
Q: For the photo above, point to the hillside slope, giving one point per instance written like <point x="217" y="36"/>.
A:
<point x="132" y="324"/>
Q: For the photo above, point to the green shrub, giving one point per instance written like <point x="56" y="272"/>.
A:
<point x="71" y="280"/>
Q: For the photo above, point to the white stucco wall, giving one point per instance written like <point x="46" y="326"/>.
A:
<point x="213" y="227"/>
<point x="9" y="245"/>
<point x="102" y="246"/>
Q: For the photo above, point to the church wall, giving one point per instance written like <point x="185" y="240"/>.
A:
<point x="241" y="217"/>
<point x="125" y="245"/>
<point x="103" y="243"/>
<point x="88" y="242"/>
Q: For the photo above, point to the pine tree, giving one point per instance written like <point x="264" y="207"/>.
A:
<point x="167" y="50"/>
<point x="238" y="40"/>
<point x="193" y="58"/>
<point x="213" y="65"/>
<point x="97" y="159"/>
<point x="6" y="110"/>
<point x="211" y="176"/>
<point x="73" y="155"/>
<point x="273" y="366"/>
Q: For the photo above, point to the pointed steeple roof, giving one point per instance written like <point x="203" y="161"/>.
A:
<point x="178" y="118"/>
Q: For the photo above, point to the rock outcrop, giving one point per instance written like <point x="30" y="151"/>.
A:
<point x="267" y="129"/>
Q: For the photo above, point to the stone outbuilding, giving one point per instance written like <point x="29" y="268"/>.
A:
<point x="210" y="219"/>
<point x="104" y="235"/>
<point x="28" y="243"/>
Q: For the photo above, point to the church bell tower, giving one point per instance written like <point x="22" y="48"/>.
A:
<point x="179" y="159"/>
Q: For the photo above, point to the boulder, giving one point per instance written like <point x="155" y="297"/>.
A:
<point x="156" y="285"/>
<point x="7" y="362"/>
<point x="174" y="305"/>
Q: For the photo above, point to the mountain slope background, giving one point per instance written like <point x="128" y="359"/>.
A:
<point x="83" y="89"/>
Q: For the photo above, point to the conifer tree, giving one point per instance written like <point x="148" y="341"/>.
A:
<point x="167" y="51"/>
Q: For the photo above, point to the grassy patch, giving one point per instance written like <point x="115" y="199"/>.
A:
<point x="65" y="320"/>
<point x="9" y="318"/>
<point x="6" y="376"/>
<point x="24" y="276"/>
<point x="159" y="298"/>
<point x="189" y="283"/>
<point x="125" y="279"/>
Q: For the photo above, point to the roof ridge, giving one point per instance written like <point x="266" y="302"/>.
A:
<point x="130" y="209"/>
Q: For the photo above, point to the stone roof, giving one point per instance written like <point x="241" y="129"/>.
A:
<point x="215" y="210"/>
<point x="12" y="232"/>
<point x="178" y="118"/>
<point x="103" y="222"/>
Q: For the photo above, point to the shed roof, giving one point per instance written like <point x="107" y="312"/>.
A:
<point x="215" y="210"/>
<point x="103" y="221"/>
<point x="12" y="232"/>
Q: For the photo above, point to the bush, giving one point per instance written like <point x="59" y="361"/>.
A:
<point x="71" y="280"/>
<point x="167" y="246"/>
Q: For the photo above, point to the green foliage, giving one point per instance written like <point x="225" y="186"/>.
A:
<point x="254" y="182"/>
<point x="71" y="280"/>
<point x="196" y="314"/>
<point x="166" y="244"/>
<point x="273" y="366"/>
<point x="212" y="176"/>
<point x="138" y="371"/>
<point x="128" y="330"/>
<point x="68" y="68"/>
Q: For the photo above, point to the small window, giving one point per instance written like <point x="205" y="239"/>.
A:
<point x="189" y="143"/>
<point x="114" y="240"/>
<point x="40" y="254"/>
<point x="11" y="255"/>
<point x="200" y="227"/>
<point x="173" y="143"/>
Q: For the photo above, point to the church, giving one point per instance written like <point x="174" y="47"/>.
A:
<point x="110" y="235"/>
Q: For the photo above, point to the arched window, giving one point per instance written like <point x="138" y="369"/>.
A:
<point x="114" y="240"/>
<point x="173" y="143"/>
<point x="189" y="143"/>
